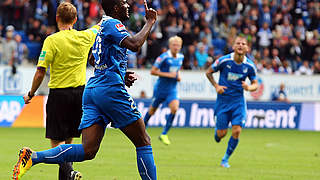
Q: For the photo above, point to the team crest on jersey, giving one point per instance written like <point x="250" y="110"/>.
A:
<point x="216" y="62"/>
<point x="120" y="27"/>
<point x="158" y="60"/>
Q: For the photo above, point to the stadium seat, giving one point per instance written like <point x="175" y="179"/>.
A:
<point x="218" y="43"/>
<point x="34" y="49"/>
<point x="23" y="35"/>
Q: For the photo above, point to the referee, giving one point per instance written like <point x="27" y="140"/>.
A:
<point x="66" y="53"/>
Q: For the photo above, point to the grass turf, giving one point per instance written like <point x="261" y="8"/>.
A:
<point x="262" y="154"/>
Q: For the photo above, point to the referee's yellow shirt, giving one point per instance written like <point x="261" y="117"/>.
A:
<point x="66" y="52"/>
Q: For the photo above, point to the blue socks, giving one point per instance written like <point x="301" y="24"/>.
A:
<point x="146" y="118"/>
<point x="60" y="154"/>
<point x="169" y="118"/>
<point x="145" y="161"/>
<point x="232" y="144"/>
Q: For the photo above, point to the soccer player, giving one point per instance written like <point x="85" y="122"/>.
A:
<point x="66" y="53"/>
<point x="167" y="67"/>
<point x="105" y="98"/>
<point x="230" y="105"/>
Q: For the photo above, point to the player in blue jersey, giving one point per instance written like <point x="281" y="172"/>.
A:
<point x="105" y="99"/>
<point x="230" y="106"/>
<point x="167" y="67"/>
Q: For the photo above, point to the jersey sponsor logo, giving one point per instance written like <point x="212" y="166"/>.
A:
<point x="102" y="67"/>
<point x="245" y="70"/>
<point x="173" y="69"/>
<point x="120" y="27"/>
<point x="158" y="60"/>
<point x="234" y="76"/>
<point x="216" y="62"/>
<point x="42" y="55"/>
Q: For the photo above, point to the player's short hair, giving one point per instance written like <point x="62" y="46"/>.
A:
<point x="108" y="5"/>
<point x="67" y="12"/>
<point x="175" y="38"/>
<point x="241" y="37"/>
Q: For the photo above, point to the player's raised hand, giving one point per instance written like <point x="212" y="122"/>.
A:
<point x="220" y="89"/>
<point x="245" y="86"/>
<point x="151" y="14"/>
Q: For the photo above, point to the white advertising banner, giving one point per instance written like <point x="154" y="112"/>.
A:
<point x="194" y="85"/>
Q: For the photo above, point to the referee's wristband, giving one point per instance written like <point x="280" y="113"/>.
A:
<point x="30" y="96"/>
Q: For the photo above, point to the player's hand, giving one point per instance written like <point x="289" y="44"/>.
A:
<point x="178" y="76"/>
<point x="129" y="78"/>
<point x="27" y="98"/>
<point x="220" y="89"/>
<point x="245" y="86"/>
<point x="151" y="14"/>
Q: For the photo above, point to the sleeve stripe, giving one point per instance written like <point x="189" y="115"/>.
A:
<point x="123" y="39"/>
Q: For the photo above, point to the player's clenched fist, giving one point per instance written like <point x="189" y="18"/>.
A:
<point x="151" y="14"/>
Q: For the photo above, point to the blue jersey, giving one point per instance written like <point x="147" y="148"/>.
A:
<point x="110" y="58"/>
<point x="232" y="75"/>
<point x="167" y="63"/>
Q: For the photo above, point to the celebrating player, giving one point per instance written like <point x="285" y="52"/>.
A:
<point x="230" y="105"/>
<point x="66" y="53"/>
<point x="105" y="98"/>
<point x="167" y="67"/>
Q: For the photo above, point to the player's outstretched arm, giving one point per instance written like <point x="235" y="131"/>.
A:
<point x="219" y="89"/>
<point x="135" y="42"/>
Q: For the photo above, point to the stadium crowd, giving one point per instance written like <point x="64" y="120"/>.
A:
<point x="283" y="34"/>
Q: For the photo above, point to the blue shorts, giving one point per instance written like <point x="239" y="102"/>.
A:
<point x="164" y="98"/>
<point x="230" y="111"/>
<point x="107" y="104"/>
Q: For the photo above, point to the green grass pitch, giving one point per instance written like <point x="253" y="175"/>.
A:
<point x="193" y="155"/>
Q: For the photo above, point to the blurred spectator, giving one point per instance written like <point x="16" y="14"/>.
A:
<point x="21" y="51"/>
<point x="9" y="47"/>
<point x="291" y="27"/>
<point x="174" y="28"/>
<point x="316" y="67"/>
<point x="136" y="20"/>
<point x="285" y="68"/>
<point x="275" y="66"/>
<point x="186" y="35"/>
<point x="153" y="48"/>
<point x="265" y="36"/>
<point x="33" y="32"/>
<point x="266" y="55"/>
<point x="300" y="30"/>
<point x="280" y="94"/>
<point x="267" y="69"/>
<point x="201" y="55"/>
<point x="224" y="29"/>
<point x="304" y="69"/>
<point x="190" y="60"/>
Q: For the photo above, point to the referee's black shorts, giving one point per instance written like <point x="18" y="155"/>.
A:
<point x="64" y="112"/>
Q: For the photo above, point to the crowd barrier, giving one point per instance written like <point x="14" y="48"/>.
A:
<point x="194" y="85"/>
<point x="192" y="113"/>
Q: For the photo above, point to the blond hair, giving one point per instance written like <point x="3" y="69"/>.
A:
<point x="67" y="13"/>
<point x="175" y="38"/>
